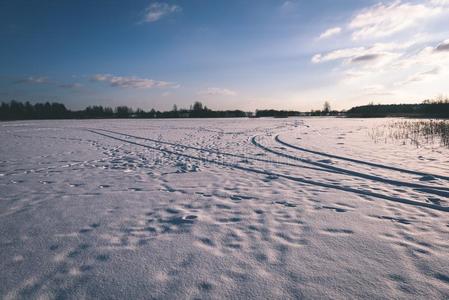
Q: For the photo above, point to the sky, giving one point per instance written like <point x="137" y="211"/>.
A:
<point x="233" y="54"/>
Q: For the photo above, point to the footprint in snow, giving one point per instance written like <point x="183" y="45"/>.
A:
<point x="134" y="189"/>
<point x="285" y="203"/>
<point x="240" y="197"/>
<point x="172" y="210"/>
<point x="393" y="219"/>
<point x="338" y="231"/>
<point x="76" y="184"/>
<point x="336" y="209"/>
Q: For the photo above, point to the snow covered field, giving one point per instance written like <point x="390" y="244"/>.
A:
<point x="235" y="208"/>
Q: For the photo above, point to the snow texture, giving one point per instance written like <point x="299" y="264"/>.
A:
<point x="232" y="208"/>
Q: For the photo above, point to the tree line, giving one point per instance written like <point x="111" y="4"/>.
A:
<point x="15" y="110"/>
<point x="436" y="108"/>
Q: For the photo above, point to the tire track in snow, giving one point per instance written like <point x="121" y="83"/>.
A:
<point x="292" y="178"/>
<point x="277" y="139"/>
<point x="440" y="191"/>
<point x="213" y="151"/>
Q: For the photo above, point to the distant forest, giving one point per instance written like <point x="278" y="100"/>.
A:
<point x="14" y="110"/>
<point x="22" y="111"/>
<point x="438" y="108"/>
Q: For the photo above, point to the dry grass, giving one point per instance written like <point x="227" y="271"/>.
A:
<point x="418" y="133"/>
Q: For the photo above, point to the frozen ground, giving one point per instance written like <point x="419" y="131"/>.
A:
<point x="259" y="208"/>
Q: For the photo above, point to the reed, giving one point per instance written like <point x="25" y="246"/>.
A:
<point x="419" y="133"/>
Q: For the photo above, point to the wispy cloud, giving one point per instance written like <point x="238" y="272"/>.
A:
<point x="289" y="6"/>
<point x="386" y="19"/>
<point x="34" y="80"/>
<point x="45" y="80"/>
<point x="213" y="91"/>
<point x="366" y="58"/>
<point x="330" y="32"/>
<point x="440" y="2"/>
<point x="420" y="76"/>
<point x="362" y="54"/>
<point x="431" y="56"/>
<point x="70" y="85"/>
<point x="132" y="82"/>
<point x="158" y="10"/>
<point x="384" y="69"/>
<point x="444" y="46"/>
<point x="376" y="90"/>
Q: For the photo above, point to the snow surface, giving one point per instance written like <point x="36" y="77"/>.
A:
<point x="232" y="208"/>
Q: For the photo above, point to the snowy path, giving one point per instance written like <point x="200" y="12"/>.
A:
<point x="265" y="208"/>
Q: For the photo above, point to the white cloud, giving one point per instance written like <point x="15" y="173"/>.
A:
<point x="330" y="32"/>
<point x="158" y="10"/>
<point x="386" y="57"/>
<point x="337" y="54"/>
<point x="213" y="91"/>
<point x="33" y="79"/>
<point x="132" y="82"/>
<point x="444" y="46"/>
<point x="393" y="52"/>
<point x="375" y="89"/>
<point x="70" y="85"/>
<point x="378" y="52"/>
<point x="383" y="20"/>
<point x="440" y="2"/>
<point x="45" y="80"/>
<point x="429" y="56"/>
<point x="387" y="70"/>
<point x="289" y="6"/>
<point x="421" y="76"/>
<point x="391" y="56"/>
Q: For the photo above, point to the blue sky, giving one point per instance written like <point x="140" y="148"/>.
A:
<point x="244" y="54"/>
